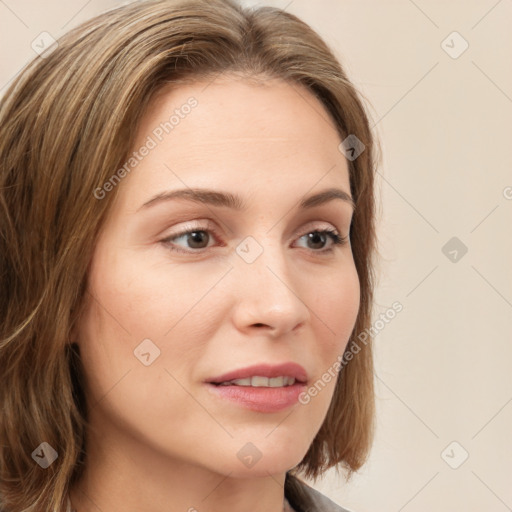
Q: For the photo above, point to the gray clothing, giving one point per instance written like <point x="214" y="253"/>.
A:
<point x="304" y="498"/>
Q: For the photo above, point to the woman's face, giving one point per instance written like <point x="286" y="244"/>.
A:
<point x="257" y="281"/>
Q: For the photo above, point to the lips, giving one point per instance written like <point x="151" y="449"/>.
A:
<point x="262" y="388"/>
<point x="287" y="370"/>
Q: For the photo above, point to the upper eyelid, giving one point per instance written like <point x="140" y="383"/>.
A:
<point x="310" y="226"/>
<point x="190" y="227"/>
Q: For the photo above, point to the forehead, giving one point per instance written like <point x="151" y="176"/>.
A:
<point x="238" y="134"/>
<point x="235" y="107"/>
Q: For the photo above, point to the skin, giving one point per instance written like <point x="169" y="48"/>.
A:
<point x="158" y="439"/>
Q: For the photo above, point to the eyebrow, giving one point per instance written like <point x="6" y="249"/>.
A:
<point x="229" y="200"/>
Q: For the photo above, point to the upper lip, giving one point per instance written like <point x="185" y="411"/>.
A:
<point x="288" y="369"/>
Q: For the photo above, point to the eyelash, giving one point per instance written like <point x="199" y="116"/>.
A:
<point x="336" y="238"/>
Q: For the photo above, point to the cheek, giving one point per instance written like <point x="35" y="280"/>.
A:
<point x="334" y="313"/>
<point x="150" y="298"/>
<point x="335" y="306"/>
<point x="135" y="301"/>
<point x="130" y="302"/>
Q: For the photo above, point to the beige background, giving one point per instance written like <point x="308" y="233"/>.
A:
<point x="443" y="364"/>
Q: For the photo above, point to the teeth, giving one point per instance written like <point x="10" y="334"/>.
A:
<point x="277" y="382"/>
<point x="241" y="382"/>
<point x="261" y="382"/>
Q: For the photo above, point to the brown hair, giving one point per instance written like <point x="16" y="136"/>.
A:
<point x="66" y="123"/>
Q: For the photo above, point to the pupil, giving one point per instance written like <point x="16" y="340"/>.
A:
<point x="317" y="238"/>
<point x="198" y="239"/>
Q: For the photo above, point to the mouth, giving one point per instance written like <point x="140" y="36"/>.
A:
<point x="263" y="375"/>
<point x="259" y="381"/>
<point x="261" y="388"/>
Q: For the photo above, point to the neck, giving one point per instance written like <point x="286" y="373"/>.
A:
<point x="131" y="477"/>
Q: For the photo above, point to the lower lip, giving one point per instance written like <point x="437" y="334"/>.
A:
<point x="260" y="399"/>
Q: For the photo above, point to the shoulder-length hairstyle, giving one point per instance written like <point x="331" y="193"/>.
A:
<point x="67" y="122"/>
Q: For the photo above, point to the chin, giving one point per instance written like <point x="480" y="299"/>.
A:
<point x="270" y="462"/>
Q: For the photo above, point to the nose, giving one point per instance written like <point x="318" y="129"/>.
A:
<point x="269" y="300"/>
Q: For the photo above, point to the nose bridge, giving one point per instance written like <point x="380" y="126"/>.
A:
<point x="265" y="259"/>
<point x="268" y="287"/>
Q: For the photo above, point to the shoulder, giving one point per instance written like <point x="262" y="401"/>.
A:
<point x="304" y="498"/>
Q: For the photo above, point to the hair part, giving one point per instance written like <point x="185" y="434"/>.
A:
<point x="66" y="124"/>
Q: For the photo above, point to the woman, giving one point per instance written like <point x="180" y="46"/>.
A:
<point x="187" y="239"/>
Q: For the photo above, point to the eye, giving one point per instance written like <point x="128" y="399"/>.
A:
<point x="317" y="240"/>
<point x="197" y="238"/>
